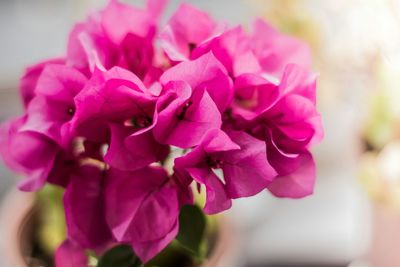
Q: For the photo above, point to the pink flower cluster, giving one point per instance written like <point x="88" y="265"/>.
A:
<point x="103" y="120"/>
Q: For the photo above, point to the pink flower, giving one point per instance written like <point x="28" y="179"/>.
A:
<point x="35" y="156"/>
<point x="110" y="96"/>
<point x="120" y="35"/>
<point x="285" y="116"/>
<point x="142" y="209"/>
<point x="116" y="108"/>
<point x="288" y="110"/>
<point x="179" y="38"/>
<point x="242" y="159"/>
<point x="53" y="106"/>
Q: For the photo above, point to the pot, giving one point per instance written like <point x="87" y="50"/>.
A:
<point x="16" y="215"/>
<point x="17" y="225"/>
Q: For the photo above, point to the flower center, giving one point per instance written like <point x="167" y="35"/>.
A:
<point x="192" y="46"/>
<point x="214" y="163"/>
<point x="142" y="121"/>
<point x="182" y="113"/>
<point x="71" y="111"/>
<point x="227" y="115"/>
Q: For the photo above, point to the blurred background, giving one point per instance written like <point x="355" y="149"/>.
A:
<point x="354" y="217"/>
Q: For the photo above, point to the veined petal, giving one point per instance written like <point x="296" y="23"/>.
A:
<point x="247" y="171"/>
<point x="205" y="73"/>
<point x="299" y="182"/>
<point x="84" y="209"/>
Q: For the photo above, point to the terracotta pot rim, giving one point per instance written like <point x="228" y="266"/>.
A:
<point x="20" y="206"/>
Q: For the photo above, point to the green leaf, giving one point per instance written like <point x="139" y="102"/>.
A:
<point x="192" y="228"/>
<point x="173" y="255"/>
<point x="121" y="256"/>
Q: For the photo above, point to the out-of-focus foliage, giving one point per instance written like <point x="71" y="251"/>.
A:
<point x="380" y="175"/>
<point x="380" y="169"/>
<point x="51" y="222"/>
<point x="292" y="17"/>
<point x="383" y="123"/>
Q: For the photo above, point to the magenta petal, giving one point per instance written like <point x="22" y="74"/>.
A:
<point x="138" y="53"/>
<point x="84" y="209"/>
<point x="275" y="50"/>
<point x="247" y="171"/>
<point x="69" y="254"/>
<point x="119" y="19"/>
<point x="174" y="50"/>
<point x="156" y="7"/>
<point x="198" y="121"/>
<point x="110" y="94"/>
<point x="284" y="163"/>
<point x="179" y="38"/>
<point x="76" y="54"/>
<point x="142" y="207"/>
<point x="158" y="211"/>
<point x="205" y="73"/>
<point x="299" y="81"/>
<point x="28" y="153"/>
<point x="218" y="141"/>
<point x="147" y="250"/>
<point x="192" y="159"/>
<point x="254" y="95"/>
<point x="196" y="32"/>
<point x="233" y="49"/>
<point x="195" y="114"/>
<point x="54" y="104"/>
<point x="299" y="182"/>
<point x="185" y="192"/>
<point x="7" y="132"/>
<point x="88" y="45"/>
<point x="132" y="152"/>
<point x="64" y="165"/>
<point x="246" y="62"/>
<point x="48" y="117"/>
<point x="113" y="96"/>
<point x="28" y="82"/>
<point x="60" y="83"/>
<point x="217" y="199"/>
<point x="139" y="191"/>
<point x="125" y="191"/>
<point x="34" y="180"/>
<point x="298" y="122"/>
<point x="36" y="155"/>
<point x="196" y="165"/>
